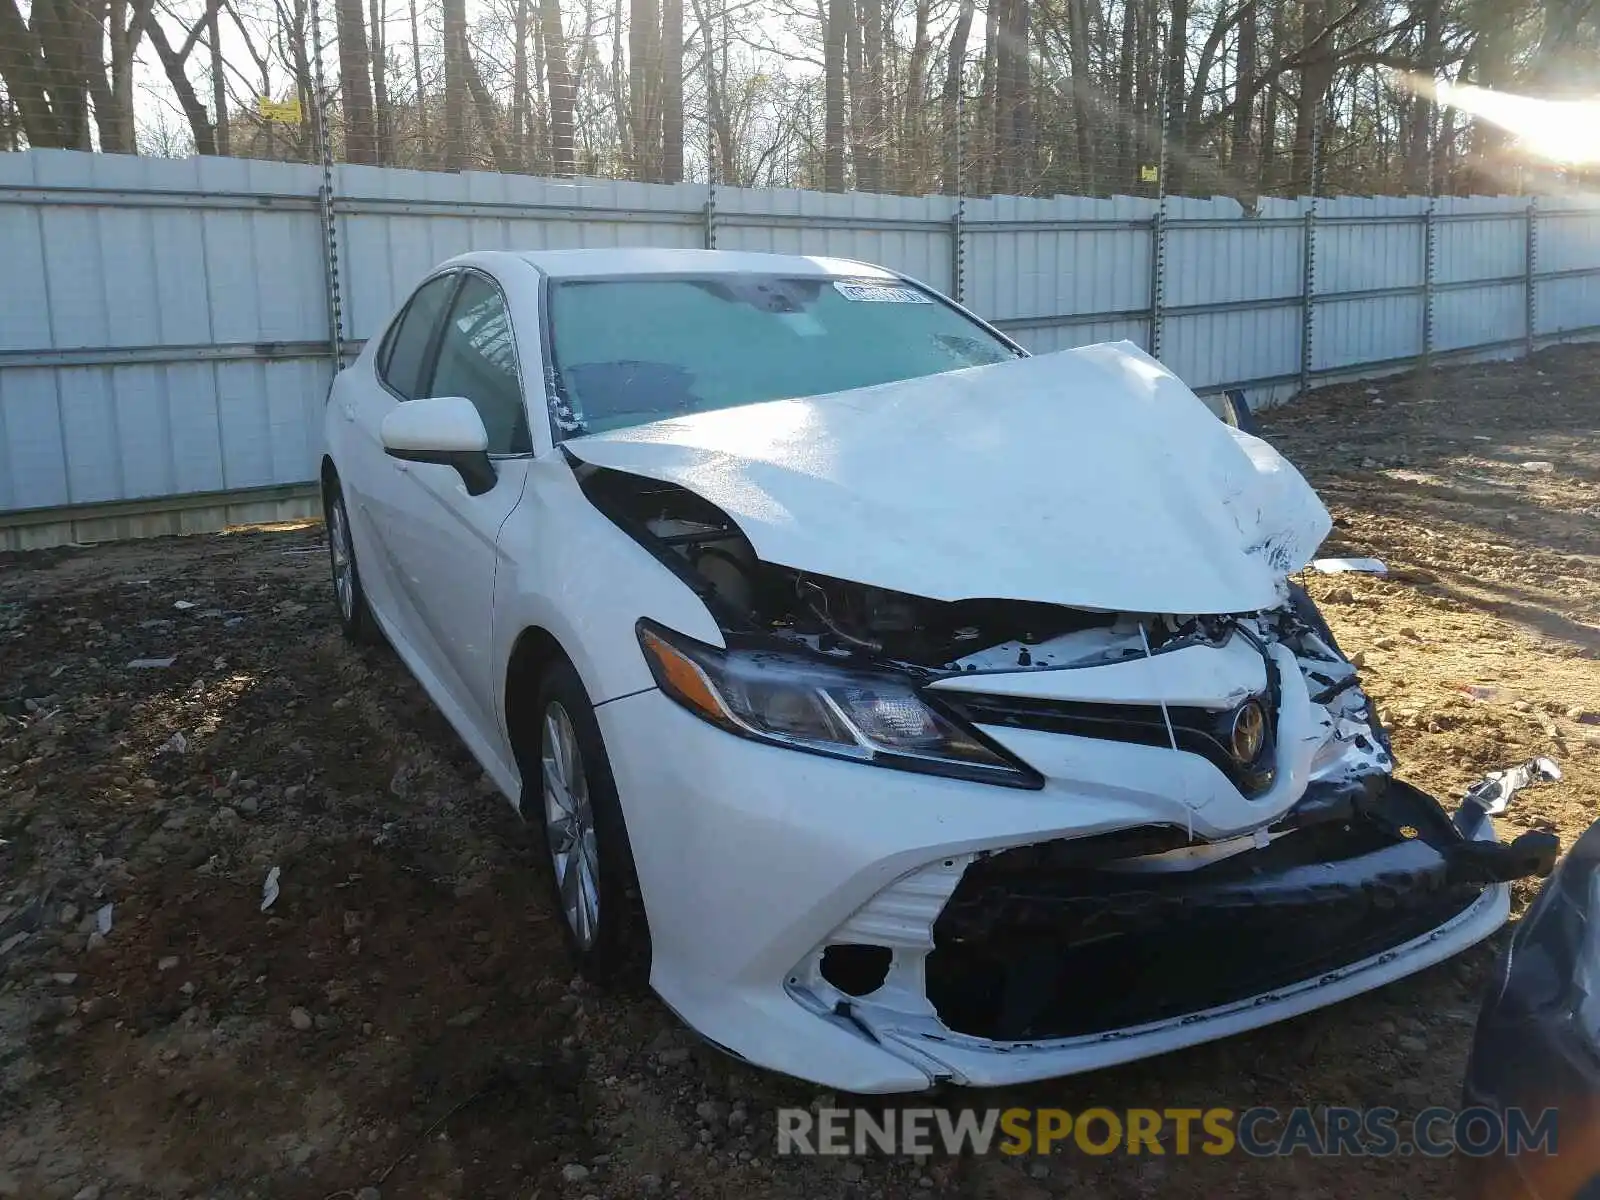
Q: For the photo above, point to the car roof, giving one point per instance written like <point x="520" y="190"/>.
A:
<point x="640" y="260"/>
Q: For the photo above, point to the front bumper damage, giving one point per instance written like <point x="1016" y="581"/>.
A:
<point x="1072" y="954"/>
<point x="883" y="931"/>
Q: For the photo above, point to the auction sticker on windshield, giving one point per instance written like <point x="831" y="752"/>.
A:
<point x="878" y="293"/>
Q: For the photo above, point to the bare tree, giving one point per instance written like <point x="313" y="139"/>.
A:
<point x="950" y="99"/>
<point x="672" y="91"/>
<point x="355" y="83"/>
<point x="837" y="22"/>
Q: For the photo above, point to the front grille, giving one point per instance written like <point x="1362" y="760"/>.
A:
<point x="1201" y="731"/>
<point x="1060" y="939"/>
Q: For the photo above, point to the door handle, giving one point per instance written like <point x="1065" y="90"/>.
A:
<point x="400" y="465"/>
<point x="349" y="412"/>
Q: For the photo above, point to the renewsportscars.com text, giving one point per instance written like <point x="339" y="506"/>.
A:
<point x="1259" y="1132"/>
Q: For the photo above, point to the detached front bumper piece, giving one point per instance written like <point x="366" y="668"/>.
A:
<point x="1086" y="936"/>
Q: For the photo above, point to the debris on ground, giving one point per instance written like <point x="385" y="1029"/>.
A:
<point x="269" y="890"/>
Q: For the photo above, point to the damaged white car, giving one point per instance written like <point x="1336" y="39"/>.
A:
<point x="912" y="709"/>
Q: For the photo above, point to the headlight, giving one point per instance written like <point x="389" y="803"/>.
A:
<point x="789" y="700"/>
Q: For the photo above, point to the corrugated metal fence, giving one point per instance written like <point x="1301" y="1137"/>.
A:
<point x="166" y="334"/>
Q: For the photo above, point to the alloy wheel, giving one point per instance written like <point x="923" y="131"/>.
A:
<point x="569" y="825"/>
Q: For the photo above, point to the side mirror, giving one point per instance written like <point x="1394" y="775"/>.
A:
<point x="1236" y="411"/>
<point x="445" y="430"/>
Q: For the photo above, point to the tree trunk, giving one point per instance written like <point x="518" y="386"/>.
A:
<point x="382" y="113"/>
<point x="559" y="81"/>
<point x="455" y="84"/>
<point x="1082" y="92"/>
<point x="22" y="66"/>
<point x="954" y="79"/>
<point x="422" y="99"/>
<point x="219" y="81"/>
<point x="172" y="62"/>
<point x="519" y="84"/>
<point x="981" y="151"/>
<point x="619" y="88"/>
<point x="1315" y="77"/>
<point x="874" y="136"/>
<point x="1012" y="108"/>
<point x="124" y="32"/>
<point x="1022" y="138"/>
<point x="855" y="87"/>
<point x="488" y="113"/>
<point x="1173" y="91"/>
<point x="644" y="87"/>
<point x="1420" y="149"/>
<point x="1269" y="107"/>
<point x="1241" y="150"/>
<point x="916" y="156"/>
<point x="61" y="37"/>
<point x="841" y="14"/>
<point x="672" y="91"/>
<point x="1127" y="116"/>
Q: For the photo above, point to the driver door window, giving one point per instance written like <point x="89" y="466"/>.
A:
<point x="478" y="359"/>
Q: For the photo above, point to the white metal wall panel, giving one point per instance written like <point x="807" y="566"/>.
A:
<point x="1015" y="274"/>
<point x="201" y="265"/>
<point x="1492" y="248"/>
<point x="1370" y="330"/>
<point x="35" y="454"/>
<point x="1211" y="350"/>
<point x="1248" y="261"/>
<point x="1045" y="339"/>
<point x="1479" y="316"/>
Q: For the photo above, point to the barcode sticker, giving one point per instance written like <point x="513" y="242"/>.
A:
<point x="879" y="293"/>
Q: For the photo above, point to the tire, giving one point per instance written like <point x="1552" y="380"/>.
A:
<point x="355" y="617"/>
<point x="571" y="800"/>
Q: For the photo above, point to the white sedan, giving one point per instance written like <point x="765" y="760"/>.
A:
<point x="907" y="708"/>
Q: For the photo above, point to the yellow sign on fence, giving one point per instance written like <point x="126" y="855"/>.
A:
<point x="285" y="112"/>
<point x="1149" y="174"/>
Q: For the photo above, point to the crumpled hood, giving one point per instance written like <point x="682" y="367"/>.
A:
<point x="1091" y="477"/>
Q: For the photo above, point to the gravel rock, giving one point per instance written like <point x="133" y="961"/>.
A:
<point x="88" y="1192"/>
<point x="369" y="1193"/>
<point x="677" y="1056"/>
<point x="574" y="1172"/>
<point x="300" y="1019"/>
<point x="465" y="1017"/>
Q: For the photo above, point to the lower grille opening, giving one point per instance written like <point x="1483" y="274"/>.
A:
<point x="856" y="969"/>
<point x="1038" y="943"/>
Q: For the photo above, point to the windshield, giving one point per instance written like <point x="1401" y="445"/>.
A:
<point x="629" y="351"/>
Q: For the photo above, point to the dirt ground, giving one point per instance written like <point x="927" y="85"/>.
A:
<point x="402" y="1017"/>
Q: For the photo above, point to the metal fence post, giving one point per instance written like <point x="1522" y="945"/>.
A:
<point x="958" y="249"/>
<point x="708" y="213"/>
<point x="330" y="230"/>
<point x="1429" y="261"/>
<point x="1158" y="230"/>
<point x="1308" y="263"/>
<point x="1530" y="278"/>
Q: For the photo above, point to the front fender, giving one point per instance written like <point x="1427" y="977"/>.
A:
<point x="577" y="576"/>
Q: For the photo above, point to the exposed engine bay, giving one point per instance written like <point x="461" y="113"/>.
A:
<point x="933" y="639"/>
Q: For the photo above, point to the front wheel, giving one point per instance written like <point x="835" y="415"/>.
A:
<point x="593" y="883"/>
<point x="355" y="618"/>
